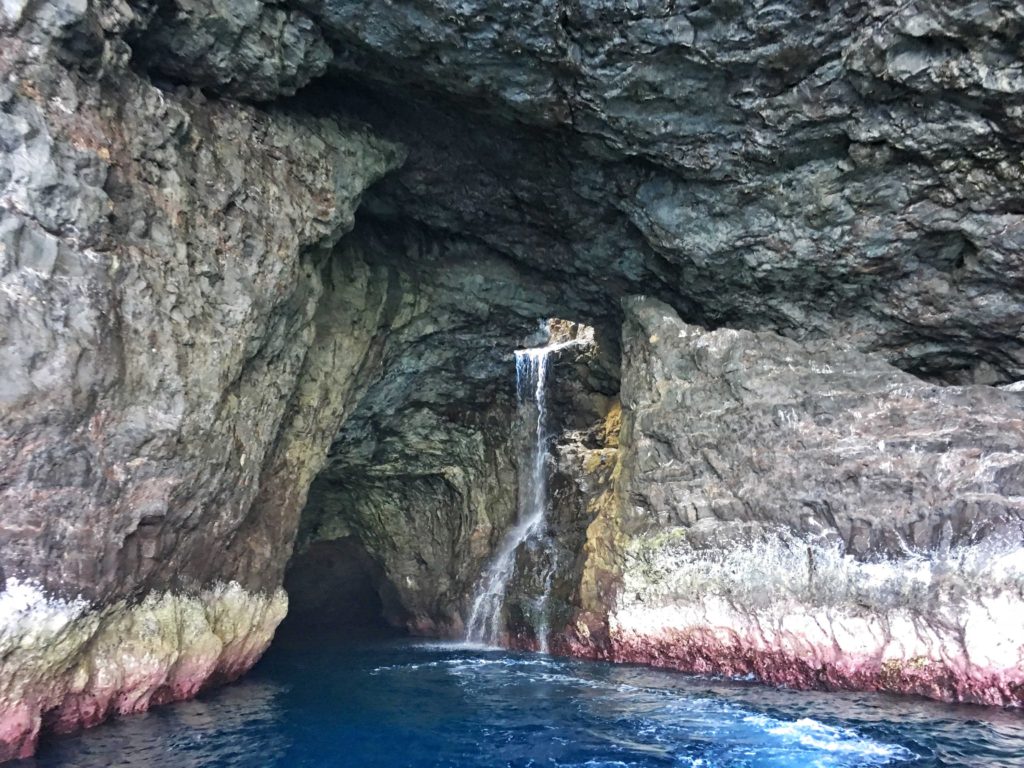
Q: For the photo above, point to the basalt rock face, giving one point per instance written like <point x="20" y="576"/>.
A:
<point x="161" y="296"/>
<point x="243" y="48"/>
<point x="583" y="421"/>
<point x="808" y="514"/>
<point x="844" y="170"/>
<point x="820" y="169"/>
<point x="194" y="341"/>
<point x="840" y="174"/>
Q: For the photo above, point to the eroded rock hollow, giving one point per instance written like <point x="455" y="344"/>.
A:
<point x="265" y="264"/>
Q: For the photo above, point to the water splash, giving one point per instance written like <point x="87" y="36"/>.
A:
<point x="485" y="619"/>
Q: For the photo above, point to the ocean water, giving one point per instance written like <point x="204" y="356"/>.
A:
<point x="406" y="703"/>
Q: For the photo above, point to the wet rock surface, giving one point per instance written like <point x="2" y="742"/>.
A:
<point x="421" y="472"/>
<point x="68" y="665"/>
<point x="583" y="422"/>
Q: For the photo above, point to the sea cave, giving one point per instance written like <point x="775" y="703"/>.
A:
<point x="562" y="382"/>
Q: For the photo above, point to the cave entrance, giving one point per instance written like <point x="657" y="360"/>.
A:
<point x="337" y="590"/>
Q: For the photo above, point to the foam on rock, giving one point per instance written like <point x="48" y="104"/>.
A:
<point x="794" y="613"/>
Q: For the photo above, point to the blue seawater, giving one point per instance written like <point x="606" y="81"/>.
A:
<point x="406" y="703"/>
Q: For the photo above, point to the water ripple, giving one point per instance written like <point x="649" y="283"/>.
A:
<point x="451" y="705"/>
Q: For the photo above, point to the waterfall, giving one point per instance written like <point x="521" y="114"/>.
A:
<point x="485" y="617"/>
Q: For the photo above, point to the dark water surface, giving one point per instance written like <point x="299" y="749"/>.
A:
<point x="417" y="704"/>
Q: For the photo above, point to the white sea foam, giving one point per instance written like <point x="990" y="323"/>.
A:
<point x="465" y="664"/>
<point x="677" y="724"/>
<point x="455" y="645"/>
<point x="25" y="607"/>
<point x="826" y="738"/>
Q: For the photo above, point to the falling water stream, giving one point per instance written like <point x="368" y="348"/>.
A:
<point x="485" y="620"/>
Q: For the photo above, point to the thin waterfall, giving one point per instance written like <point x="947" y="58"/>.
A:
<point x="485" y="619"/>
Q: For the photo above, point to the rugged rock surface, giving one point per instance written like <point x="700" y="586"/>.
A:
<point x="837" y="170"/>
<point x="838" y="173"/>
<point x="583" y="425"/>
<point x="421" y="472"/>
<point x="822" y="169"/>
<point x="811" y="515"/>
<point x="245" y="48"/>
<point x="190" y="345"/>
<point x="78" y="664"/>
<point x="162" y="260"/>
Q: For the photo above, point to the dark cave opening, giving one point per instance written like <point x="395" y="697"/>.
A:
<point x="338" y="590"/>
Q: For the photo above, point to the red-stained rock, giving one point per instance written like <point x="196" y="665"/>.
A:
<point x="807" y="515"/>
<point x="66" y="666"/>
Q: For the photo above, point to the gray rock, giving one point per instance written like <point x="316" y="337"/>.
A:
<point x="808" y="514"/>
<point x="420" y="470"/>
<point x="191" y="343"/>
<point x="162" y="260"/>
<point x="244" y="48"/>
<point x="752" y="430"/>
<point x="785" y="171"/>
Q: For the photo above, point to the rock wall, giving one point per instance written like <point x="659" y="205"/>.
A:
<point x="841" y="174"/>
<point x="161" y="296"/>
<point x="808" y="514"/>
<point x="843" y="169"/>
<point x="582" y="423"/>
<point x="69" y="664"/>
<point x="193" y="338"/>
